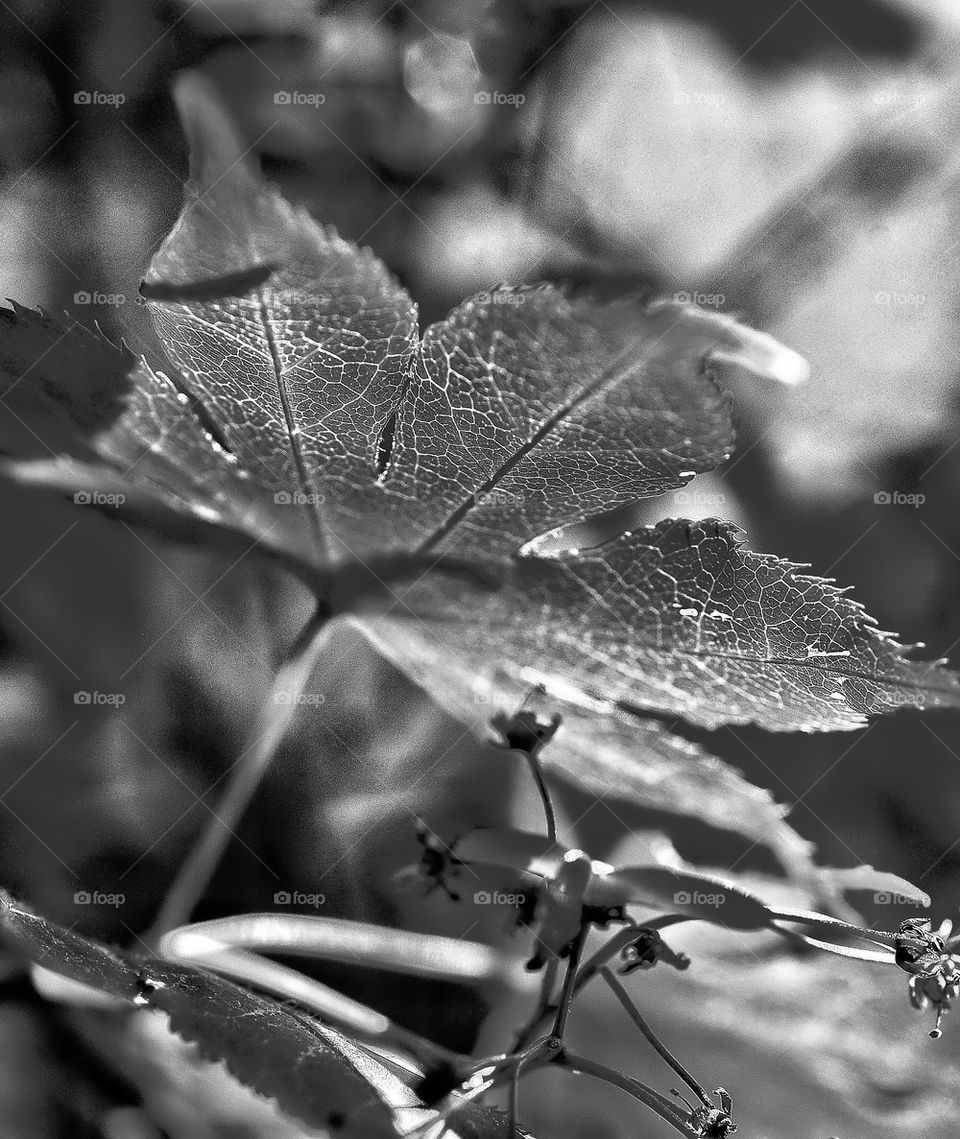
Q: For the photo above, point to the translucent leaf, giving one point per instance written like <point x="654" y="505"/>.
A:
<point x="521" y="411"/>
<point x="679" y="618"/>
<point x="83" y="416"/>
<point x="698" y="896"/>
<point x="890" y="888"/>
<point x="347" y="438"/>
<point x="612" y="754"/>
<point x="524" y="410"/>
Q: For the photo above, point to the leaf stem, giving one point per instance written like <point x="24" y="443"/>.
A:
<point x="273" y="720"/>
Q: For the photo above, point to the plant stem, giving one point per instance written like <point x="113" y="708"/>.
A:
<point x="569" y="983"/>
<point x="514" y="1098"/>
<point x="647" y="1096"/>
<point x="543" y="1006"/>
<point x="273" y="720"/>
<point x="634" y="1013"/>
<point x="548" y="811"/>
<point x="590" y="970"/>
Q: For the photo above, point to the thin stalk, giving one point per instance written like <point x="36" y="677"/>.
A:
<point x="543" y="1007"/>
<point x="593" y="966"/>
<point x="273" y="720"/>
<point x="654" y="1100"/>
<point x="548" y="811"/>
<point x="569" y="983"/>
<point x="514" y="1098"/>
<point x="551" y="968"/>
<point x="661" y="1049"/>
<point x="534" y="1056"/>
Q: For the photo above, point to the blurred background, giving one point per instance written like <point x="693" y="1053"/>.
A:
<point x="796" y="164"/>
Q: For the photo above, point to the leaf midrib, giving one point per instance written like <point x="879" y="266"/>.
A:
<point x="290" y="422"/>
<point x="608" y="377"/>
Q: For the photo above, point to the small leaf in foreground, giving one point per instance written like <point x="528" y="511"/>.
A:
<point x="315" y="1073"/>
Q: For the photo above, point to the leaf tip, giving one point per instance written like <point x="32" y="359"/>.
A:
<point x="764" y="356"/>
<point x="216" y="146"/>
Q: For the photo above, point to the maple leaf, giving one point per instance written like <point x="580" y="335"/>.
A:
<point x="81" y="414"/>
<point x="679" y="618"/>
<point x="524" y="410"/>
<point x="306" y="414"/>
